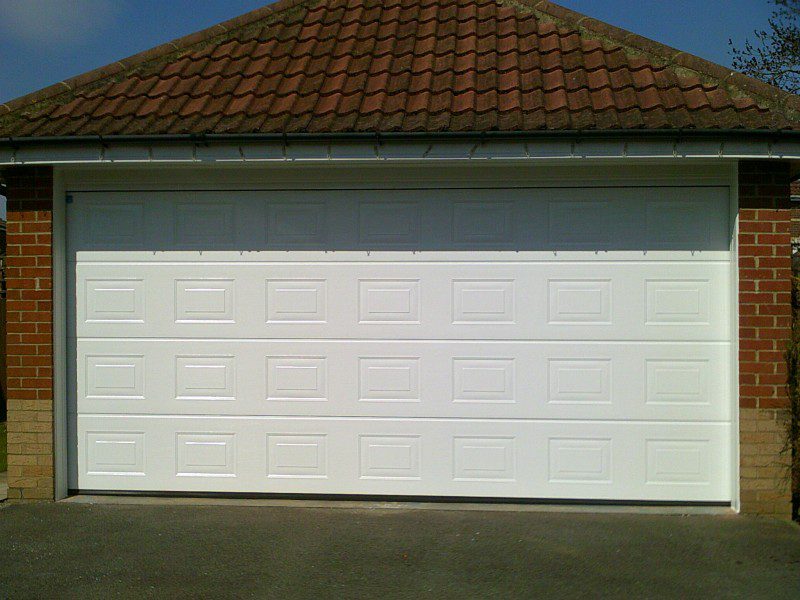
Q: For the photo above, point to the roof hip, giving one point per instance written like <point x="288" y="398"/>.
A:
<point x="361" y="66"/>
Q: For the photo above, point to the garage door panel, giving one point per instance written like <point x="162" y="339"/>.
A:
<point x="407" y="457"/>
<point x="649" y="381"/>
<point x="519" y="343"/>
<point x="518" y="300"/>
<point x="601" y="218"/>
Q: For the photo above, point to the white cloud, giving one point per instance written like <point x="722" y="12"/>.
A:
<point x="55" y="22"/>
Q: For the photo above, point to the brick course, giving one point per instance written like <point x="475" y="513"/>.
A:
<point x="29" y="332"/>
<point x="765" y="321"/>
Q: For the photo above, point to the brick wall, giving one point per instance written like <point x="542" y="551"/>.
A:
<point x="765" y="320"/>
<point x="796" y="211"/>
<point x="29" y="333"/>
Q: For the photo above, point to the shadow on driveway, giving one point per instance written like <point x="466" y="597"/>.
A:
<point x="125" y="551"/>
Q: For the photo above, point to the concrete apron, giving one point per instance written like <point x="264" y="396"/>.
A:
<point x="401" y="506"/>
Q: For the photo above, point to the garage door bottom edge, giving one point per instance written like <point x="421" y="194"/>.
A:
<point x="395" y="498"/>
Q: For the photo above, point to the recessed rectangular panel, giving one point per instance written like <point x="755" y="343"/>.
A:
<point x="296" y="378"/>
<point x="204" y="225"/>
<point x="205" y="378"/>
<point x="114" y="300"/>
<point x="683" y="223"/>
<point x="583" y="223"/>
<point x="579" y="301"/>
<point x="296" y="224"/>
<point x="297" y="456"/>
<point x="205" y="454"/>
<point x="579" y="381"/>
<point x="574" y="460"/>
<point x="389" y="379"/>
<point x="677" y="461"/>
<point x="483" y="380"/>
<point x="115" y="453"/>
<point x="678" y="382"/>
<point x="381" y="223"/>
<point x="296" y="300"/>
<point x="483" y="301"/>
<point x="204" y="301"/>
<point x="389" y="457"/>
<point x="115" y="377"/>
<point x="483" y="458"/>
<point x="483" y="222"/>
<point x="388" y="301"/>
<point x="677" y="301"/>
<point x="112" y="226"/>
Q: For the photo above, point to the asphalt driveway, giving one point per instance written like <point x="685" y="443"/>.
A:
<point x="124" y="551"/>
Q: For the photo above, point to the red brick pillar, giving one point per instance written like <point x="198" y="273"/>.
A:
<point x="765" y="320"/>
<point x="29" y="331"/>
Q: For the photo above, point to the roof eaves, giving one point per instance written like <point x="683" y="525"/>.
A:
<point x="377" y="136"/>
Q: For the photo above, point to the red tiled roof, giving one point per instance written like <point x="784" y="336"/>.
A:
<point x="402" y="65"/>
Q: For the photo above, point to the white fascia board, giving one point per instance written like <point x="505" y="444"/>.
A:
<point x="397" y="151"/>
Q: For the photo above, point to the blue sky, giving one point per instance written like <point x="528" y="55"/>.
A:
<point x="45" y="41"/>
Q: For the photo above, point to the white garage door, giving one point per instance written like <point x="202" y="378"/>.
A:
<point x="508" y="343"/>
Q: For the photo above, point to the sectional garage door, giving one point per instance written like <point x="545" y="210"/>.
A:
<point x="505" y="343"/>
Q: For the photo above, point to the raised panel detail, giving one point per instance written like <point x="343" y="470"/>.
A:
<point x="683" y="223"/>
<point x="296" y="456"/>
<point x="205" y="454"/>
<point x="483" y="458"/>
<point x="381" y="223"/>
<point x="677" y="382"/>
<point x="579" y="301"/>
<point x="579" y="460"/>
<point x="294" y="378"/>
<point x="297" y="224"/>
<point x="114" y="301"/>
<point x="579" y="381"/>
<point x="678" y="302"/>
<point x="389" y="379"/>
<point x="118" y="225"/>
<point x="483" y="380"/>
<point x="389" y="457"/>
<point x="388" y="301"/>
<point x="204" y="301"/>
<point x="579" y="223"/>
<point x="204" y="225"/>
<point x="115" y="377"/>
<point x="205" y="378"/>
<point x="483" y="301"/>
<point x="483" y="222"/>
<point x="677" y="462"/>
<point x="296" y="300"/>
<point x="115" y="453"/>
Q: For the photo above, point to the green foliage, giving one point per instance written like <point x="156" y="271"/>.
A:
<point x="774" y="57"/>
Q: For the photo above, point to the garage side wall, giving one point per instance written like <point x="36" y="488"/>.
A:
<point x="765" y="321"/>
<point x="29" y="321"/>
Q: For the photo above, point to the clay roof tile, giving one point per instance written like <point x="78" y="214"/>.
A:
<point x="402" y="65"/>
